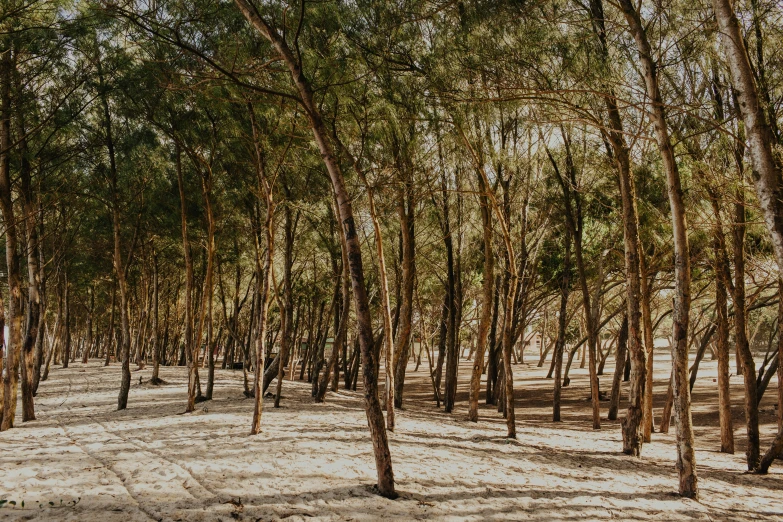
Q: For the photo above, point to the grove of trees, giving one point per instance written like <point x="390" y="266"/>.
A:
<point x="338" y="191"/>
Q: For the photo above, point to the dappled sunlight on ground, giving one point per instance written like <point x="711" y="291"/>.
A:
<point x="82" y="460"/>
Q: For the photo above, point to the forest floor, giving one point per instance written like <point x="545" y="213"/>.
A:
<point x="84" y="461"/>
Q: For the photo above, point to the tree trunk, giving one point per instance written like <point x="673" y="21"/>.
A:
<point x="14" y="315"/>
<point x="205" y="319"/>
<point x="287" y="309"/>
<point x="443" y="327"/>
<point x="722" y="347"/>
<point x="485" y="321"/>
<point x="39" y="341"/>
<point x="348" y="228"/>
<point x="388" y="344"/>
<point x="769" y="190"/>
<point x="33" y="294"/>
<point x="190" y="348"/>
<point x="452" y="355"/>
<point x="341" y="326"/>
<point x="492" y="349"/>
<point x="557" y="357"/>
<point x="156" y="344"/>
<point x="619" y="365"/>
<point x="649" y="344"/>
<point x="111" y="337"/>
<point x="573" y="209"/>
<point x="780" y="357"/>
<point x="119" y="269"/>
<point x="402" y="341"/>
<point x="264" y="277"/>
<point x="686" y="458"/>
<point x="640" y="394"/>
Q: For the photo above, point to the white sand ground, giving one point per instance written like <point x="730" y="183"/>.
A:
<point x="84" y="461"/>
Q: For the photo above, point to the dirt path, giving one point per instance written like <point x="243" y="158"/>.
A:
<point x="150" y="462"/>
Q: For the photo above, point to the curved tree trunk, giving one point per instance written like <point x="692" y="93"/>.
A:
<point x="348" y="228"/>
<point x="686" y="458"/>
<point x="769" y="190"/>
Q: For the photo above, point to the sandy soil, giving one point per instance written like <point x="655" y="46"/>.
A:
<point x="84" y="461"/>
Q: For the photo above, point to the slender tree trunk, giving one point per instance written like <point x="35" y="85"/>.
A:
<point x="452" y="355"/>
<point x="780" y="357"/>
<point x="744" y="354"/>
<point x="640" y="394"/>
<point x="156" y="344"/>
<point x="402" y="341"/>
<point x="264" y="277"/>
<point x="443" y="327"/>
<point x="119" y="269"/>
<point x="573" y="209"/>
<point x="619" y="366"/>
<point x="557" y="357"/>
<point x="686" y="458"/>
<point x="348" y="227"/>
<point x="205" y="319"/>
<point x="507" y="336"/>
<point x="14" y="315"/>
<point x="88" y="327"/>
<point x="39" y="341"/>
<point x="341" y="325"/>
<point x="769" y="188"/>
<point x="485" y="321"/>
<point x="722" y="347"/>
<point x="191" y="350"/>
<point x="33" y="295"/>
<point x="388" y="343"/>
<point x="287" y="308"/>
<point x="649" y="344"/>
<point x="110" y="344"/>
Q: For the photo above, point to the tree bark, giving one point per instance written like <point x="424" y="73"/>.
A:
<point x="341" y="326"/>
<point x="640" y="394"/>
<point x="452" y="354"/>
<point x="287" y="309"/>
<point x="205" y="318"/>
<point x="649" y="344"/>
